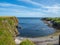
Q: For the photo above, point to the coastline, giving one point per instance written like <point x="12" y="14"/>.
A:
<point x="57" y="33"/>
<point x="8" y="30"/>
<point x="52" y="39"/>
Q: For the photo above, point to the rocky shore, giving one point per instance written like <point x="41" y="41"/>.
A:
<point x="9" y="32"/>
<point x="46" y="40"/>
<point x="50" y="24"/>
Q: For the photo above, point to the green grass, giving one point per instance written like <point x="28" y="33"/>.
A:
<point x="6" y="31"/>
<point x="27" y="42"/>
<point x="6" y="38"/>
<point x="57" y="20"/>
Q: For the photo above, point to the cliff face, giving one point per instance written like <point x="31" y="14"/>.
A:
<point x="8" y="30"/>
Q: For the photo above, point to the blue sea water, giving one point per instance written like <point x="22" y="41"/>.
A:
<point x="33" y="27"/>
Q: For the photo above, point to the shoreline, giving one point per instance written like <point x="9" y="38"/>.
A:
<point x="53" y="38"/>
<point x="48" y="24"/>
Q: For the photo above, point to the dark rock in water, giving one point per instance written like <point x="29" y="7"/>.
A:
<point x="18" y="27"/>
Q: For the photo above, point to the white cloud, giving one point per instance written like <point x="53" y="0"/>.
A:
<point x="22" y="10"/>
<point x="6" y="4"/>
<point x="32" y="2"/>
<point x="11" y="5"/>
<point x="53" y="9"/>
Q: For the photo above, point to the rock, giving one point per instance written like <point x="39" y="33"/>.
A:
<point x="17" y="41"/>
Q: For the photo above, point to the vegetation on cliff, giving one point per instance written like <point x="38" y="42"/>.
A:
<point x="55" y="22"/>
<point x="27" y="42"/>
<point x="8" y="30"/>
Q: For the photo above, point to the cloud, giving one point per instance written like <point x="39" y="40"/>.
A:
<point x="53" y="9"/>
<point x="32" y="2"/>
<point x="50" y="9"/>
<point x="14" y="9"/>
<point x="11" y="5"/>
<point x="7" y="8"/>
<point x="6" y="4"/>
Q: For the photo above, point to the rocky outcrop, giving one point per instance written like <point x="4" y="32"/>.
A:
<point x="8" y="30"/>
<point x="15" y="23"/>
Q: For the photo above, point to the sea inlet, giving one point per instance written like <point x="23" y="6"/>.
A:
<point x="33" y="27"/>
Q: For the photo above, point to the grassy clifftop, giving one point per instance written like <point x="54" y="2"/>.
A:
<point x="8" y="30"/>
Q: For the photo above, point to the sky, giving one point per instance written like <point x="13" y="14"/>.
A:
<point x="30" y="8"/>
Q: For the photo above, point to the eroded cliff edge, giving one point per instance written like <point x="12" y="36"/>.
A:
<point x="8" y="30"/>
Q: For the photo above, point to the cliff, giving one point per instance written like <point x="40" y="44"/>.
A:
<point x="8" y="30"/>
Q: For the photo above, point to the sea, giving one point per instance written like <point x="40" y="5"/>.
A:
<point x="33" y="27"/>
